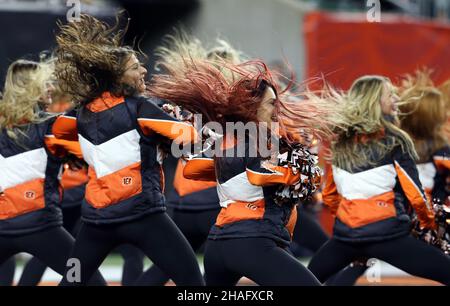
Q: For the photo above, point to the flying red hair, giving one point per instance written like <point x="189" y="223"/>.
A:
<point x="199" y="86"/>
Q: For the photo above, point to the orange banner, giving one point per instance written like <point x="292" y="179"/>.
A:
<point x="344" y="46"/>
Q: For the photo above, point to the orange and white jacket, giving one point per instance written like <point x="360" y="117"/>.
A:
<point x="30" y="197"/>
<point x="434" y="174"/>
<point x="375" y="203"/>
<point x="246" y="187"/>
<point x="119" y="139"/>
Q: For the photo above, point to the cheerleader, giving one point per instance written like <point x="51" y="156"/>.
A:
<point x="371" y="187"/>
<point x="425" y="116"/>
<point x="119" y="132"/>
<point x="193" y="205"/>
<point x="253" y="230"/>
<point x="73" y="182"/>
<point x="30" y="161"/>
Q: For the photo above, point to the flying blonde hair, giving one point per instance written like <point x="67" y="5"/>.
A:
<point x="364" y="134"/>
<point x="180" y="46"/>
<point x="26" y="84"/>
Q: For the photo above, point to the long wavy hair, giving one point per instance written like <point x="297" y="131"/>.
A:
<point x="201" y="86"/>
<point x="365" y="134"/>
<point x="25" y="86"/>
<point x="423" y="119"/>
<point x="445" y="89"/>
<point x="91" y="58"/>
<point x="178" y="47"/>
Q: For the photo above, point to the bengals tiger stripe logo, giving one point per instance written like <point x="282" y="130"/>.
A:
<point x="29" y="195"/>
<point x="127" y="181"/>
<point x="251" y="206"/>
<point x="382" y="204"/>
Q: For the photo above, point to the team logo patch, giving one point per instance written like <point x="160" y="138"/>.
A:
<point x="127" y="181"/>
<point x="29" y="195"/>
<point x="382" y="204"/>
<point x="251" y="206"/>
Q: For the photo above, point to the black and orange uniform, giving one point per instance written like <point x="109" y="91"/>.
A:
<point x="73" y="183"/>
<point x="434" y="174"/>
<point x="124" y="203"/>
<point x="193" y="206"/>
<point x="30" y="199"/>
<point x="309" y="237"/>
<point x="192" y="195"/>
<point x="373" y="206"/>
<point x="250" y="222"/>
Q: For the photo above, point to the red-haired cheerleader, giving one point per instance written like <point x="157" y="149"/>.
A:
<point x="193" y="205"/>
<point x="254" y="227"/>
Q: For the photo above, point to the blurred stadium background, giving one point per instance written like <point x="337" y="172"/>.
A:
<point x="316" y="37"/>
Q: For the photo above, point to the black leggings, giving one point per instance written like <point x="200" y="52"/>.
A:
<point x="51" y="246"/>
<point x="406" y="253"/>
<point x="195" y="225"/>
<point x="133" y="258"/>
<point x="309" y="234"/>
<point x="34" y="268"/>
<point x="259" y="259"/>
<point x="7" y="270"/>
<point x="133" y="263"/>
<point x="155" y="234"/>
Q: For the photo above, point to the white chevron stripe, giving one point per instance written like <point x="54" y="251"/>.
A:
<point x="113" y="155"/>
<point x="23" y="167"/>
<point x="238" y="188"/>
<point x="365" y="184"/>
